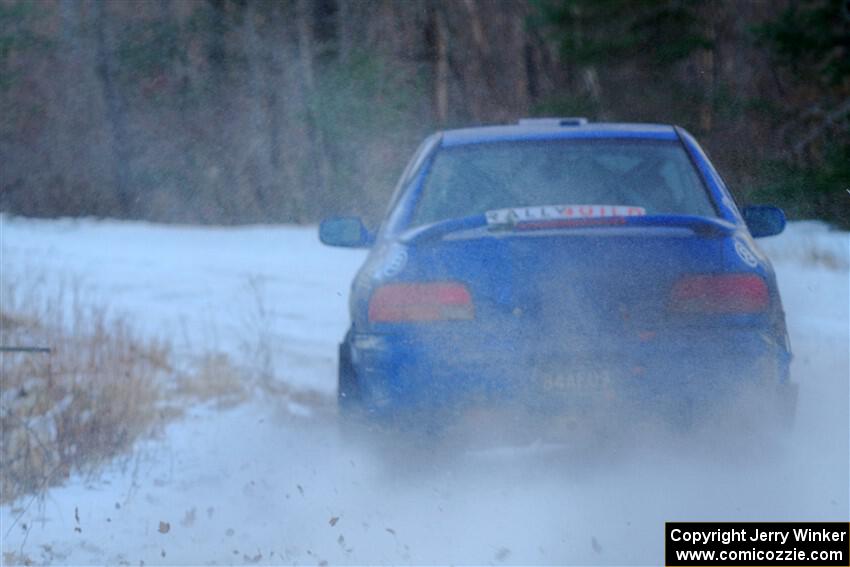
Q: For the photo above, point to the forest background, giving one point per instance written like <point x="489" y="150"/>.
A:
<point x="261" y="111"/>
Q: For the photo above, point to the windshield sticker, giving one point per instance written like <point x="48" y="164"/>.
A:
<point x="560" y="212"/>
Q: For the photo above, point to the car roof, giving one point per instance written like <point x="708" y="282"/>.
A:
<point x="556" y="129"/>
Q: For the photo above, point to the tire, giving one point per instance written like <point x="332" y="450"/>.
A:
<point x="348" y="389"/>
<point x="786" y="405"/>
<point x="766" y="405"/>
<point x="352" y="421"/>
<point x="779" y="393"/>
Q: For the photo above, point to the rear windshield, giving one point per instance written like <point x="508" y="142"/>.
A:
<point x="656" y="177"/>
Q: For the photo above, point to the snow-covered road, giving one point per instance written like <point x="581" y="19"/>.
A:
<point x="260" y="483"/>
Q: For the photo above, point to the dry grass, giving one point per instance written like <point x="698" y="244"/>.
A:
<point x="214" y="379"/>
<point x="101" y="387"/>
<point x="86" y="401"/>
<point x="828" y="259"/>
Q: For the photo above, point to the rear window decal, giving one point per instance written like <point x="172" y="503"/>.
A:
<point x="558" y="212"/>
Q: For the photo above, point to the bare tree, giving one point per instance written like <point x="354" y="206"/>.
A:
<point x="440" y="33"/>
<point x="305" y="51"/>
<point x="116" y="110"/>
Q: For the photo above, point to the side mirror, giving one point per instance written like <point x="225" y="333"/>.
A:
<point x="347" y="232"/>
<point x="764" y="220"/>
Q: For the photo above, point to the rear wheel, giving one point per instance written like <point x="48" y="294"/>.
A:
<point x="778" y="392"/>
<point x="349" y="400"/>
<point x="765" y="404"/>
<point x="351" y="416"/>
<point x="785" y="405"/>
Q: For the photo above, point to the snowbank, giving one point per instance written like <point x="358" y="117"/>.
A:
<point x="810" y="243"/>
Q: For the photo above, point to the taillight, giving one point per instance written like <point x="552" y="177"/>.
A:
<point x="727" y="293"/>
<point x="437" y="301"/>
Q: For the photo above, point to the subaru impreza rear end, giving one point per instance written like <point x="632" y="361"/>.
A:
<point x="563" y="269"/>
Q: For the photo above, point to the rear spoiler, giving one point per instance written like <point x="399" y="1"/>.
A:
<point x="439" y="229"/>
<point x="702" y="226"/>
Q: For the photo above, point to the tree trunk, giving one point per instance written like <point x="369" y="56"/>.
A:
<point x="259" y="150"/>
<point x="116" y="111"/>
<point x="521" y="75"/>
<point x="709" y="73"/>
<point x="305" y="52"/>
<point x="67" y="97"/>
<point x="477" y="86"/>
<point x="441" y="66"/>
<point x="344" y="28"/>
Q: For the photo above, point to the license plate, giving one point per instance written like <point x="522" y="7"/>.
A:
<point x="582" y="382"/>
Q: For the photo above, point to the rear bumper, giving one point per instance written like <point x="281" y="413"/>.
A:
<point x="432" y="372"/>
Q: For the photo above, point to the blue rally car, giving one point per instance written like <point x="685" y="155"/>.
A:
<point x="558" y="263"/>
